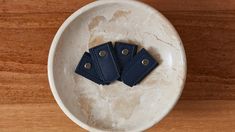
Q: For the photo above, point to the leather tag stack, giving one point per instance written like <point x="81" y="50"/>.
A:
<point x="105" y="64"/>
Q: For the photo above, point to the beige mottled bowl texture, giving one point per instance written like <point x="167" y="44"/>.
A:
<point x="116" y="107"/>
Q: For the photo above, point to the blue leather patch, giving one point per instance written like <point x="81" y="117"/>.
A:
<point x="125" y="53"/>
<point x="140" y="66"/>
<point x="105" y="61"/>
<point x="86" y="68"/>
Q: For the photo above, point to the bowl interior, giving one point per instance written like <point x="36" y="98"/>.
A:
<point x="118" y="107"/>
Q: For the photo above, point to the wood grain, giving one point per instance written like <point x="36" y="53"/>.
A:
<point x="207" y="29"/>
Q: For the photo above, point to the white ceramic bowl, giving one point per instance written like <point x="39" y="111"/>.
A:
<point x="116" y="107"/>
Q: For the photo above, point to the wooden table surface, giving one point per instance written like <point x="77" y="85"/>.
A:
<point x="207" y="28"/>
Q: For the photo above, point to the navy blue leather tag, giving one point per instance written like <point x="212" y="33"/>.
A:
<point x="104" y="59"/>
<point x="140" y="66"/>
<point x="125" y="53"/>
<point x="87" y="69"/>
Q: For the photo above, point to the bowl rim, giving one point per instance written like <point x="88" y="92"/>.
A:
<point x="54" y="47"/>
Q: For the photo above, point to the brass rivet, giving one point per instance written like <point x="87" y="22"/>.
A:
<point x="102" y="53"/>
<point x="87" y="66"/>
<point x="125" y="51"/>
<point x="145" y="62"/>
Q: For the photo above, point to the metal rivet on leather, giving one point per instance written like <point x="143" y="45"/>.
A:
<point x="87" y="66"/>
<point x="125" y="51"/>
<point x="102" y="53"/>
<point x="145" y="62"/>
